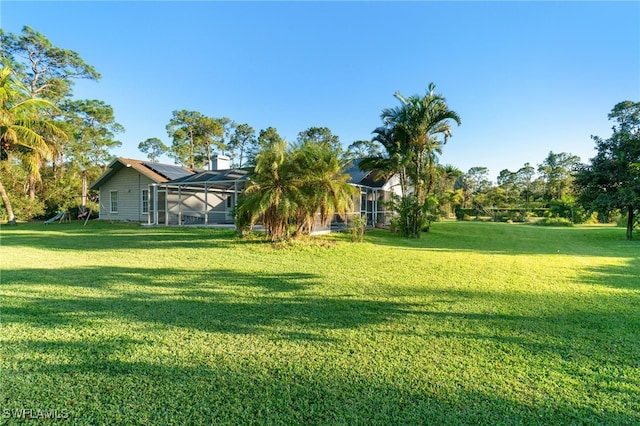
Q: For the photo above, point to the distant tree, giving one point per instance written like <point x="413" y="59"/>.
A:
<point x="154" y="148"/>
<point x="495" y="196"/>
<point x="479" y="179"/>
<point x="182" y="129"/>
<point x="92" y="129"/>
<point x="464" y="185"/>
<point x="448" y="197"/>
<point x="320" y="135"/>
<point x="210" y="134"/>
<point x="508" y="182"/>
<point x="447" y="175"/>
<point x="364" y="148"/>
<point x="223" y="141"/>
<point x="612" y="180"/>
<point x="23" y="122"/>
<point x="267" y="137"/>
<point x="557" y="172"/>
<point x="193" y="135"/>
<point x="241" y="143"/>
<point x="93" y="132"/>
<point x="506" y="178"/>
<point x="46" y="70"/>
<point x="524" y="179"/>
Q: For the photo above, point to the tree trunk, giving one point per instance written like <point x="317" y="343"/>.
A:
<point x="7" y="205"/>
<point x="630" y="223"/>
<point x="83" y="194"/>
<point x="32" y="187"/>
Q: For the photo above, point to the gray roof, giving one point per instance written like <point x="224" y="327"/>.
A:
<point x="370" y="178"/>
<point x="157" y="172"/>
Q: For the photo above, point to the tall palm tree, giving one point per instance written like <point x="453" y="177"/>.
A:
<point x="416" y="127"/>
<point x="393" y="160"/>
<point x="23" y="130"/>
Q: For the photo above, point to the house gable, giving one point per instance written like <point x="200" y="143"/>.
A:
<point x="128" y="178"/>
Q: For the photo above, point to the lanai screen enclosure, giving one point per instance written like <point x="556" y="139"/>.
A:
<point x="209" y="197"/>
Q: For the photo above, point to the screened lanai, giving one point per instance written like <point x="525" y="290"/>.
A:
<point x="208" y="198"/>
<point x="204" y="198"/>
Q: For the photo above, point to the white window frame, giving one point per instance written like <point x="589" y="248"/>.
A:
<point x="145" y="201"/>
<point x="113" y="201"/>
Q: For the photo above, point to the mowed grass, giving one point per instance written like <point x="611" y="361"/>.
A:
<point x="476" y="323"/>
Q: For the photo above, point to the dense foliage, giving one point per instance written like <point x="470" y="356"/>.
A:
<point x="612" y="180"/>
<point x="23" y="131"/>
<point x="411" y="137"/>
<point x="74" y="136"/>
<point x="293" y="188"/>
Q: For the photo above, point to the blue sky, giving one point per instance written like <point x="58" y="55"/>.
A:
<point x="525" y="77"/>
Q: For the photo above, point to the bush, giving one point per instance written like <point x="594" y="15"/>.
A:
<point x="465" y="214"/>
<point x="23" y="208"/>
<point x="554" y="221"/>
<point x="357" y="227"/>
<point x="243" y="219"/>
<point x="509" y="215"/>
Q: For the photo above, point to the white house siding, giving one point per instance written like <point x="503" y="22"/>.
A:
<point x="393" y="185"/>
<point x="129" y="184"/>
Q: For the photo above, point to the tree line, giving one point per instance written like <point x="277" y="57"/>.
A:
<point x="53" y="144"/>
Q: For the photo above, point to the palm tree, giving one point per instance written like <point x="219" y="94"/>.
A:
<point x="23" y="130"/>
<point x="393" y="160"/>
<point x="273" y="192"/>
<point x="325" y="186"/>
<point x="415" y="128"/>
<point x="288" y="187"/>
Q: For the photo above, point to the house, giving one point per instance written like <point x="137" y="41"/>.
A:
<point x="161" y="194"/>
<point x="376" y="192"/>
<point x="124" y="187"/>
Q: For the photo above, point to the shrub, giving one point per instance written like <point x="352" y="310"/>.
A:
<point x="243" y="219"/>
<point x="357" y="227"/>
<point x="554" y="221"/>
<point x="465" y="214"/>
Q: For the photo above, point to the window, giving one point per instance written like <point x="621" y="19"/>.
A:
<point x="229" y="201"/>
<point x="114" y="202"/>
<point x="145" y="201"/>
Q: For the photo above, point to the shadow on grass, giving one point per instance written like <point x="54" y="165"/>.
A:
<point x="625" y="277"/>
<point x="223" y="301"/>
<point x="108" y="381"/>
<point x="104" y="390"/>
<point x="105" y="236"/>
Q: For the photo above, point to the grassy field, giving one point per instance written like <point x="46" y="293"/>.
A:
<point x="476" y="323"/>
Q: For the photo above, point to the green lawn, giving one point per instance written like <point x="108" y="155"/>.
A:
<point x="476" y="323"/>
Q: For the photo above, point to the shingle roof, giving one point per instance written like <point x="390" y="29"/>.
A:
<point x="157" y="172"/>
<point x="371" y="178"/>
